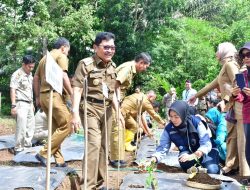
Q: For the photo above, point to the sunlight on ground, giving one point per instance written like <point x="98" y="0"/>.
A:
<point x="7" y="121"/>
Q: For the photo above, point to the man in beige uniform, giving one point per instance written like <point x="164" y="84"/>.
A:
<point x="99" y="71"/>
<point x="61" y="126"/>
<point x="125" y="74"/>
<point x="21" y="94"/>
<point x="129" y="112"/>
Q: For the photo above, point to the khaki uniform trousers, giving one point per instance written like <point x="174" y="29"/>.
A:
<point x="131" y="128"/>
<point x="25" y="125"/>
<point x="117" y="138"/>
<point x="61" y="126"/>
<point x="236" y="143"/>
<point x="96" y="168"/>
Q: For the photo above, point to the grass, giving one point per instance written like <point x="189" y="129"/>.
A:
<point x="7" y="121"/>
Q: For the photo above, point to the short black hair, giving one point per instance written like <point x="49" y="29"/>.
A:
<point x="61" y="42"/>
<point x="156" y="104"/>
<point x="143" y="56"/>
<point x="103" y="36"/>
<point x="28" y="59"/>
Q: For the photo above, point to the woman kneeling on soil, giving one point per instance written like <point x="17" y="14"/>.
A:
<point x="192" y="138"/>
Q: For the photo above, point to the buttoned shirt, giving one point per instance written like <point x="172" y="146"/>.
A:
<point x="129" y="105"/>
<point x="23" y="84"/>
<point x="99" y="75"/>
<point x="187" y="94"/>
<point x="125" y="74"/>
<point x="60" y="58"/>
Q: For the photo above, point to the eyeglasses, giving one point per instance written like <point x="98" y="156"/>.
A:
<point x="107" y="47"/>
<point x="244" y="55"/>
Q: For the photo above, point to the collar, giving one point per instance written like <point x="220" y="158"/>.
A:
<point x="100" y="63"/>
<point x="133" y="67"/>
<point x="22" y="70"/>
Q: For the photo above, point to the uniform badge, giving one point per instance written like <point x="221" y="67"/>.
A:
<point x="96" y="82"/>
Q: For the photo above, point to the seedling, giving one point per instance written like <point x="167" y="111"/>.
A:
<point x="151" y="181"/>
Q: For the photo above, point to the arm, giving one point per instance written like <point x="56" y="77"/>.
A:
<point x="163" y="147"/>
<point x="77" y="92"/>
<point x="13" y="101"/>
<point x="205" y="143"/>
<point x="145" y="125"/>
<point x="66" y="84"/>
<point x="149" y="108"/>
<point x="214" y="84"/>
<point x="221" y="132"/>
<point x="36" y="85"/>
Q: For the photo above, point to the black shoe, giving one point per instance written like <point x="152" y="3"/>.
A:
<point x="115" y="163"/>
<point x="41" y="159"/>
<point x="230" y="173"/>
<point x="63" y="165"/>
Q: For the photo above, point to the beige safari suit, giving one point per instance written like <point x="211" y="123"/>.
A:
<point x="129" y="112"/>
<point x="236" y="139"/>
<point x="25" y="122"/>
<point x="125" y="74"/>
<point x="61" y="116"/>
<point x="93" y="68"/>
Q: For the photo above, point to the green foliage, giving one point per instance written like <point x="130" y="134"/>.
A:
<point x="151" y="181"/>
<point x="181" y="35"/>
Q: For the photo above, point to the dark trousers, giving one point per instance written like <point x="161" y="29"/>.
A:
<point x="247" y="149"/>
<point x="209" y="161"/>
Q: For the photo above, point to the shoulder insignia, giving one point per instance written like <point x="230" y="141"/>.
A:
<point x="88" y="61"/>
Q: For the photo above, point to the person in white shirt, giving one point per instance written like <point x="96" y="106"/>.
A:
<point x="188" y="93"/>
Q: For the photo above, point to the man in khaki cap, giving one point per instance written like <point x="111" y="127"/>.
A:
<point x="61" y="116"/>
<point x="129" y="112"/>
<point x="125" y="74"/>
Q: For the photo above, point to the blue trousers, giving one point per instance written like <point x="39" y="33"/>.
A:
<point x="247" y="149"/>
<point x="209" y="161"/>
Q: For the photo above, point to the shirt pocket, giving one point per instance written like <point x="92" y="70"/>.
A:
<point x="95" y="79"/>
<point x="24" y="83"/>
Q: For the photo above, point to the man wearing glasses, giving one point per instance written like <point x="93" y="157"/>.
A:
<point x="125" y="74"/>
<point x="99" y="71"/>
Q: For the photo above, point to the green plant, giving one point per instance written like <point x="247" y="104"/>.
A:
<point x="151" y="181"/>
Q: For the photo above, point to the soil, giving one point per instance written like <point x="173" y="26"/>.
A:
<point x="204" y="179"/>
<point x="169" y="169"/>
<point x="6" y="157"/>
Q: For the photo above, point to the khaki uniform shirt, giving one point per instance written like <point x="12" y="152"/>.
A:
<point x="97" y="76"/>
<point x="225" y="77"/>
<point x="125" y="74"/>
<point x="23" y="83"/>
<point x="60" y="58"/>
<point x="129" y="106"/>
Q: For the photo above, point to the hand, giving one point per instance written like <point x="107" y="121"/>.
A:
<point x="192" y="100"/>
<point x="13" y="111"/>
<point x="75" y="122"/>
<point x="187" y="157"/>
<point x="221" y="106"/>
<point x="246" y="91"/>
<point x="235" y="91"/>
<point x="38" y="102"/>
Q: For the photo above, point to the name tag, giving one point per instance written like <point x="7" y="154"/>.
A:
<point x="105" y="90"/>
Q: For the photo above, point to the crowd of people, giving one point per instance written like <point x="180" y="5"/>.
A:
<point x="210" y="127"/>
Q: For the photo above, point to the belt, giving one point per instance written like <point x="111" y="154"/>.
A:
<point x="94" y="100"/>
<point x="24" y="101"/>
<point x="47" y="91"/>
